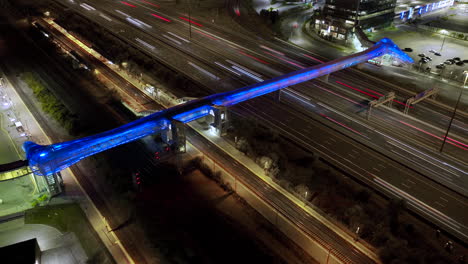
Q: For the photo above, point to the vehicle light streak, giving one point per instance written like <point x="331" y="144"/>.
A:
<point x="171" y="39"/>
<point x="428" y="156"/>
<point x="122" y="13"/>
<point x="204" y="71"/>
<point x="371" y="95"/>
<point x="298" y="96"/>
<point x="245" y="69"/>
<point x="177" y="36"/>
<point x="432" y="135"/>
<point x="417" y="203"/>
<point x="105" y="17"/>
<point x="272" y="50"/>
<point x="283" y="59"/>
<point x="356" y="89"/>
<point x="226" y="68"/>
<point x="204" y="34"/>
<point x="150" y="3"/>
<point x="160" y="17"/>
<point x="339" y="95"/>
<point x="315" y="59"/>
<point x="191" y="21"/>
<point x="248" y="74"/>
<point x="87" y="7"/>
<point x="341" y="124"/>
<point x="144" y="43"/>
<point x="127" y="4"/>
<point x="253" y="57"/>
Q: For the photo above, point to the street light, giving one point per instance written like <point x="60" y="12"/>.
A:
<point x="454" y="110"/>
<point x="443" y="32"/>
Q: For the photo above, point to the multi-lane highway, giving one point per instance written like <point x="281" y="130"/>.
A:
<point x="222" y="61"/>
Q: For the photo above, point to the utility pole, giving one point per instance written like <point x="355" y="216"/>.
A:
<point x="357" y="13"/>
<point x="454" y="111"/>
<point x="190" y="20"/>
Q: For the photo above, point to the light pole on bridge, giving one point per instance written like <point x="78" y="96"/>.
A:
<point x="454" y="110"/>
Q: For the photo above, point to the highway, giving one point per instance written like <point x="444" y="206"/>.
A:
<point x="307" y="223"/>
<point x="247" y="77"/>
<point x="260" y="66"/>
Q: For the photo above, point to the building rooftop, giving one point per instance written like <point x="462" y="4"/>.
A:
<point x="404" y="5"/>
<point x="19" y="253"/>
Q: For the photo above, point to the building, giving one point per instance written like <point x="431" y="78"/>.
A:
<point x="408" y="9"/>
<point x="339" y="18"/>
<point x="26" y="252"/>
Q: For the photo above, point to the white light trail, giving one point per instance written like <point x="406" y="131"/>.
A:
<point x="247" y="73"/>
<point x="203" y="70"/>
<point x="171" y="39"/>
<point x="122" y="13"/>
<point x="144" y="43"/>
<point x="105" y="17"/>
<point x="177" y="36"/>
<point x="87" y="7"/>
<point x="245" y="69"/>
<point x="226" y="68"/>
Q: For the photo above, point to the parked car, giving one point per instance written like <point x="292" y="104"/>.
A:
<point x="437" y="54"/>
<point x="428" y="58"/>
<point x="428" y="68"/>
<point x="460" y="63"/>
<point x="422" y="55"/>
<point x="456" y="58"/>
<point x="432" y="51"/>
<point x="465" y="61"/>
<point x="408" y="49"/>
<point x="448" y="62"/>
<point x="440" y="66"/>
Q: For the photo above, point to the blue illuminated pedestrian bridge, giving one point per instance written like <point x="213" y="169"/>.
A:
<point x="49" y="159"/>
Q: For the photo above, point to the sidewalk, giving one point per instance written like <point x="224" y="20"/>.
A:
<point x="74" y="191"/>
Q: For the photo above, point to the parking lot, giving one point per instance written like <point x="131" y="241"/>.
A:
<point x="422" y="42"/>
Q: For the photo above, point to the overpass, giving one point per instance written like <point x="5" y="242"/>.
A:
<point x="46" y="160"/>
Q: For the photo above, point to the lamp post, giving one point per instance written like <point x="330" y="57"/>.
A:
<point x="454" y="110"/>
<point x="444" y="32"/>
<point x="190" y="20"/>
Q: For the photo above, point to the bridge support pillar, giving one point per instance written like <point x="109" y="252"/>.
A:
<point x="277" y="95"/>
<point x="178" y="136"/>
<point x="220" y="123"/>
<point x="325" y="78"/>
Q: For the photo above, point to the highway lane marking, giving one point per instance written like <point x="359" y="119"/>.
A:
<point x="374" y="168"/>
<point x="355" y="151"/>
<point x="380" y="165"/>
<point x="282" y="123"/>
<point x="440" y="204"/>
<point x="410" y="181"/>
<point x="442" y="198"/>
<point x="390" y="166"/>
<point x="406" y="186"/>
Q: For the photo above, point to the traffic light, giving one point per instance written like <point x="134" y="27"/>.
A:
<point x="136" y="180"/>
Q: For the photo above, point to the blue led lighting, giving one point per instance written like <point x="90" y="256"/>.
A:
<point x="49" y="159"/>
<point x="193" y="114"/>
